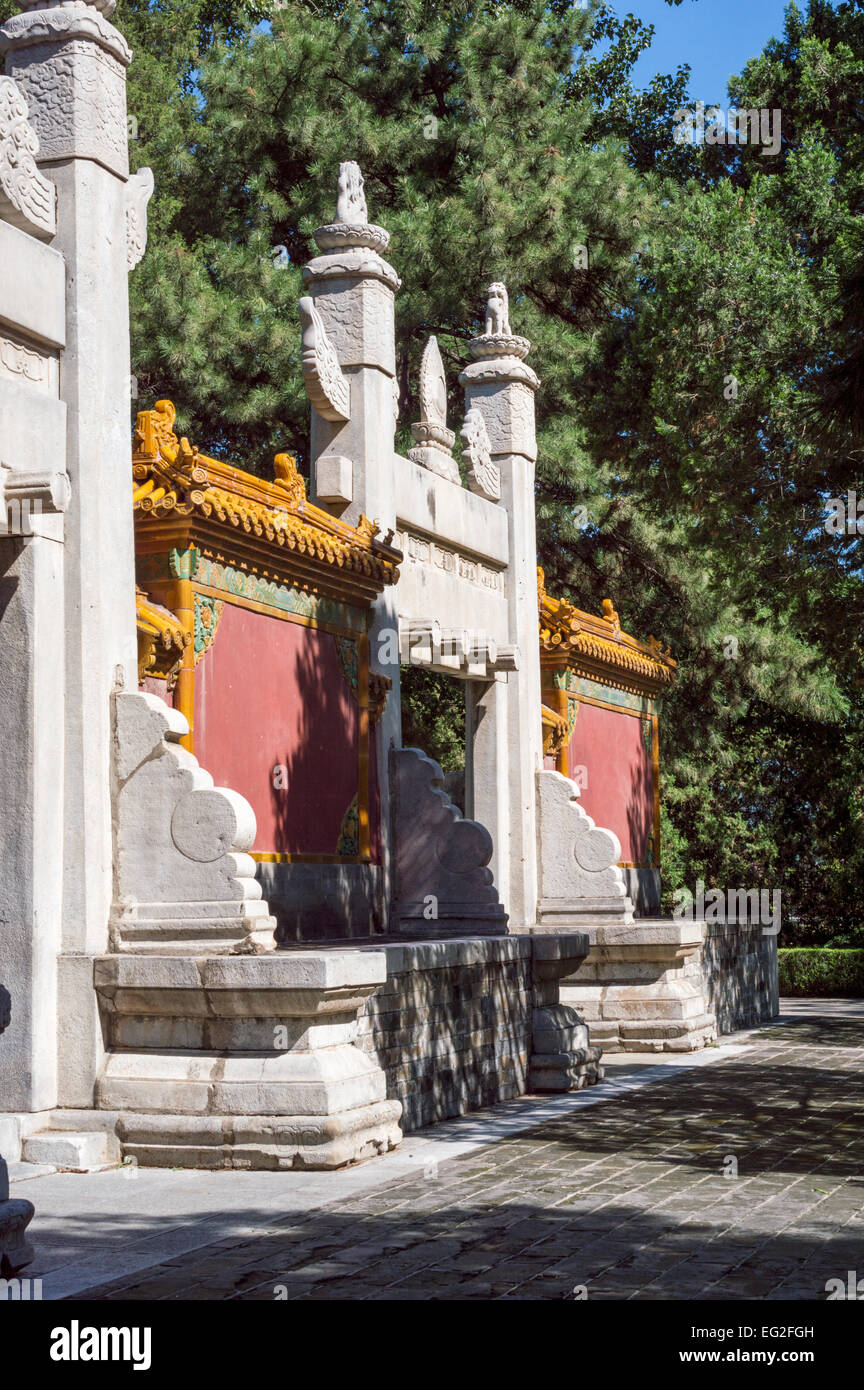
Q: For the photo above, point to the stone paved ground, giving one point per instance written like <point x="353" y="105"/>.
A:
<point x="627" y="1198"/>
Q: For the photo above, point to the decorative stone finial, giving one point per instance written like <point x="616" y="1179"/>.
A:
<point x="27" y="199"/>
<point x="434" y="440"/>
<point x="497" y="309"/>
<point x="352" y="227"/>
<point x="351" y="201"/>
<point x="498" y="339"/>
<point x="484" y="476"/>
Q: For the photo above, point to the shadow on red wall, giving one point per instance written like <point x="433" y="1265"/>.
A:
<point x="276" y="719"/>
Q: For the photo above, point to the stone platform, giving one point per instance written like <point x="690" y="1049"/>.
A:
<point x="642" y="988"/>
<point x="310" y="1057"/>
<point x="465" y="1023"/>
<point x="243" y="1062"/>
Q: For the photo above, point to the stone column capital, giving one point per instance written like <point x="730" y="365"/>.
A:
<point x="70" y="63"/>
<point x="503" y="389"/>
<point x="62" y="23"/>
<point x="497" y="370"/>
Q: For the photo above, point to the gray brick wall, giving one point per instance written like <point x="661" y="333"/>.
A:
<point x="739" y="963"/>
<point x="451" y="1027"/>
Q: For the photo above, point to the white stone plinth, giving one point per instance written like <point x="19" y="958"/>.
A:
<point x="243" y="1062"/>
<point x="641" y="988"/>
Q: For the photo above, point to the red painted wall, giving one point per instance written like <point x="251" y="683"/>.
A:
<point x="620" y="777"/>
<point x="272" y="692"/>
<point x="157" y="685"/>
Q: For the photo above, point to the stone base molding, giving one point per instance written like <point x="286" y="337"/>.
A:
<point x="243" y="1062"/>
<point x="642" y="989"/>
<point x="563" y="1057"/>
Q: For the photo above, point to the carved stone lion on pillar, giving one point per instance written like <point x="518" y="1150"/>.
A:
<point x="497" y="310"/>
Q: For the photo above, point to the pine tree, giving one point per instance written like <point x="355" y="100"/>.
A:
<point x="474" y="155"/>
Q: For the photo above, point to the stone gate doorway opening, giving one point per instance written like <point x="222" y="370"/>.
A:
<point x="433" y="719"/>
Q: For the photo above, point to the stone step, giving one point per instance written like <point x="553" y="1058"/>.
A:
<point x="82" y="1151"/>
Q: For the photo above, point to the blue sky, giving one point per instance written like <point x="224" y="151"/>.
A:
<point x="716" y="37"/>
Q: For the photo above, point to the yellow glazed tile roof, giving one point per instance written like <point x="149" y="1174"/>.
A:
<point x="161" y="639"/>
<point x="596" y="647"/>
<point x="172" y="480"/>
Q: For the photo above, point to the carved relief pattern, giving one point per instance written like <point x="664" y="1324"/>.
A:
<point x="572" y="712"/>
<point x="27" y="199"/>
<point x="484" y="477"/>
<point x="208" y="611"/>
<point x="347" y="649"/>
<point x="425" y="552"/>
<point x="349" y="832"/>
<point x="77" y="99"/>
<point x="16" y="360"/>
<point x="523" y="437"/>
<point x="139" y="191"/>
<point x="326" y="385"/>
<point x="379" y="688"/>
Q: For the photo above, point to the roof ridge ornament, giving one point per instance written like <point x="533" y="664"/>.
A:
<point x="289" y="478"/>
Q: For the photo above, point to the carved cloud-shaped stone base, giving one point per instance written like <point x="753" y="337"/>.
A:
<point x="183" y="881"/>
<point x="443" y="886"/>
<point x="580" y="880"/>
